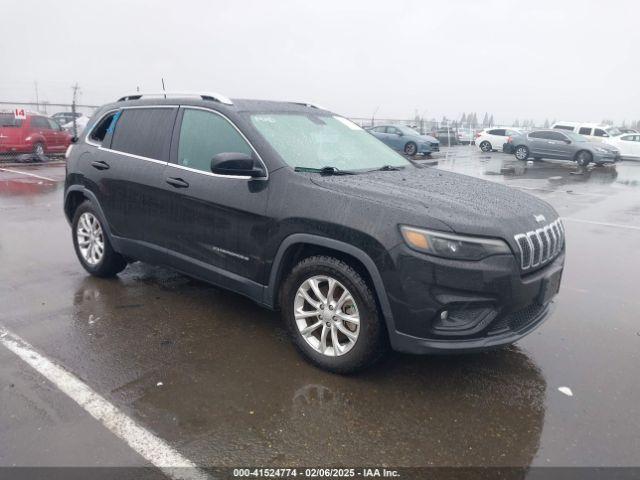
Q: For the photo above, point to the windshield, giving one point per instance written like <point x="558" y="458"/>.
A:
<point x="407" y="130"/>
<point x="614" y="131"/>
<point x="9" y="121"/>
<point x="315" y="141"/>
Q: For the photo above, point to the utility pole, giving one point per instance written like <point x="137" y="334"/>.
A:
<point x="75" y="89"/>
<point x="37" y="100"/>
<point x="373" y="116"/>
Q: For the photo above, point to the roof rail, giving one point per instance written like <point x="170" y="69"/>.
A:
<point x="310" y="105"/>
<point x="216" y="97"/>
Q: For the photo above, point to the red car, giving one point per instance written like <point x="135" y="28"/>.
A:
<point x="36" y="134"/>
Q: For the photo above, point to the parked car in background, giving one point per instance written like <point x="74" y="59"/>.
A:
<point x="628" y="130"/>
<point x="628" y="144"/>
<point x="446" y="136"/>
<point x="593" y="131"/>
<point x="36" y="134"/>
<point x="562" y="145"/>
<point x="81" y="123"/>
<point x="465" y="136"/>
<point x="494" y="138"/>
<point x="65" y="117"/>
<point x="405" y="139"/>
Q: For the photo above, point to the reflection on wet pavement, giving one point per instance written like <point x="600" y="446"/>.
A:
<point x="234" y="388"/>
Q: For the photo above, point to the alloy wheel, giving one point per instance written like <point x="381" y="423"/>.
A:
<point x="90" y="238"/>
<point x="326" y="315"/>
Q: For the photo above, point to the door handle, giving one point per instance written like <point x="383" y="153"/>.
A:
<point x="100" y="165"/>
<point x="177" y="182"/>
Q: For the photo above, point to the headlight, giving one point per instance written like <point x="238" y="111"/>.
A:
<point x="448" y="245"/>
<point x="603" y="150"/>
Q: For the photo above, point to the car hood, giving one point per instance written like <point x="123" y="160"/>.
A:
<point x="466" y="204"/>
<point x="429" y="138"/>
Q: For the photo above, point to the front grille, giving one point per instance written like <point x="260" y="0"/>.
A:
<point x="540" y="246"/>
<point x="435" y="146"/>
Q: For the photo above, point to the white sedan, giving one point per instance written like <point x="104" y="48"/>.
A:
<point x="627" y="143"/>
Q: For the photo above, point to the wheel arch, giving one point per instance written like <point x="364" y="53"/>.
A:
<point x="74" y="196"/>
<point x="575" y="156"/>
<point x="296" y="247"/>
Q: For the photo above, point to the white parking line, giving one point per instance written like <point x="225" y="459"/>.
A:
<point x="603" y="224"/>
<point x="153" y="449"/>
<point x="20" y="172"/>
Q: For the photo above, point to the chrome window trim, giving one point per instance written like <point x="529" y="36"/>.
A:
<point x="133" y="155"/>
<point x="211" y="174"/>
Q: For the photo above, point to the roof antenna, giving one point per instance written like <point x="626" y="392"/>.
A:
<point x="165" y="95"/>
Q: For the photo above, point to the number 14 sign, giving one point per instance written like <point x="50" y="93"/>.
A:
<point x="20" y="114"/>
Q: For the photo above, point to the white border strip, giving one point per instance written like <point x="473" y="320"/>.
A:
<point x="146" y="444"/>
<point x="20" y="172"/>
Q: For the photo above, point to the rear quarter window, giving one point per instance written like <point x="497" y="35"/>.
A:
<point x="145" y="132"/>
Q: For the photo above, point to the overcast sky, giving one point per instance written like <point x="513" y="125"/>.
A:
<point x="563" y="59"/>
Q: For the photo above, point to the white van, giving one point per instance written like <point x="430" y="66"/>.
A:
<point x="594" y="131"/>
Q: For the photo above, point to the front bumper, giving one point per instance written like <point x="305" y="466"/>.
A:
<point x="488" y="303"/>
<point x="606" y="158"/>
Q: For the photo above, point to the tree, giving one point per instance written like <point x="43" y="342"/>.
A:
<point x="516" y="123"/>
<point x="491" y="120"/>
<point x="463" y="119"/>
<point x="546" y="123"/>
<point x="485" y="120"/>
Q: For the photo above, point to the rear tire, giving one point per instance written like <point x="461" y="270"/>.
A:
<point x="583" y="158"/>
<point x="485" y="146"/>
<point x="521" y="153"/>
<point x="92" y="245"/>
<point x="410" y="149"/>
<point x="317" y="310"/>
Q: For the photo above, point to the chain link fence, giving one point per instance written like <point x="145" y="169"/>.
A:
<point x="39" y="132"/>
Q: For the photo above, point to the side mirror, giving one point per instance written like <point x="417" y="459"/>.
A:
<point x="399" y="133"/>
<point x="567" y="141"/>
<point x="235" y="163"/>
<point x="74" y="139"/>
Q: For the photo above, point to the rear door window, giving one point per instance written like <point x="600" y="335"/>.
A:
<point x="40" y="122"/>
<point x="584" y="131"/>
<point x="204" y="134"/>
<point x="144" y="131"/>
<point x="500" y="132"/>
<point x="600" y="133"/>
<point x="8" y="120"/>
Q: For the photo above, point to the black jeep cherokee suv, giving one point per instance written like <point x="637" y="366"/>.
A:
<point x="301" y="210"/>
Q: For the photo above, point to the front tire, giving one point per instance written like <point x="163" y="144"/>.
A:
<point x="521" y="153"/>
<point x="38" y="149"/>
<point x="485" y="146"/>
<point x="92" y="245"/>
<point x="410" y="149"/>
<point x="583" y="158"/>
<point x="332" y="315"/>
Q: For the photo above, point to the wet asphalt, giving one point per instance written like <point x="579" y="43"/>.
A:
<point x="216" y="377"/>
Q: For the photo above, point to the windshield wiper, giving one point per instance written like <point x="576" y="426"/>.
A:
<point x="325" y="170"/>
<point x="388" y="168"/>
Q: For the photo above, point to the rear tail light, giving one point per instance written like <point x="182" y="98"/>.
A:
<point x="509" y="140"/>
<point x="478" y="135"/>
